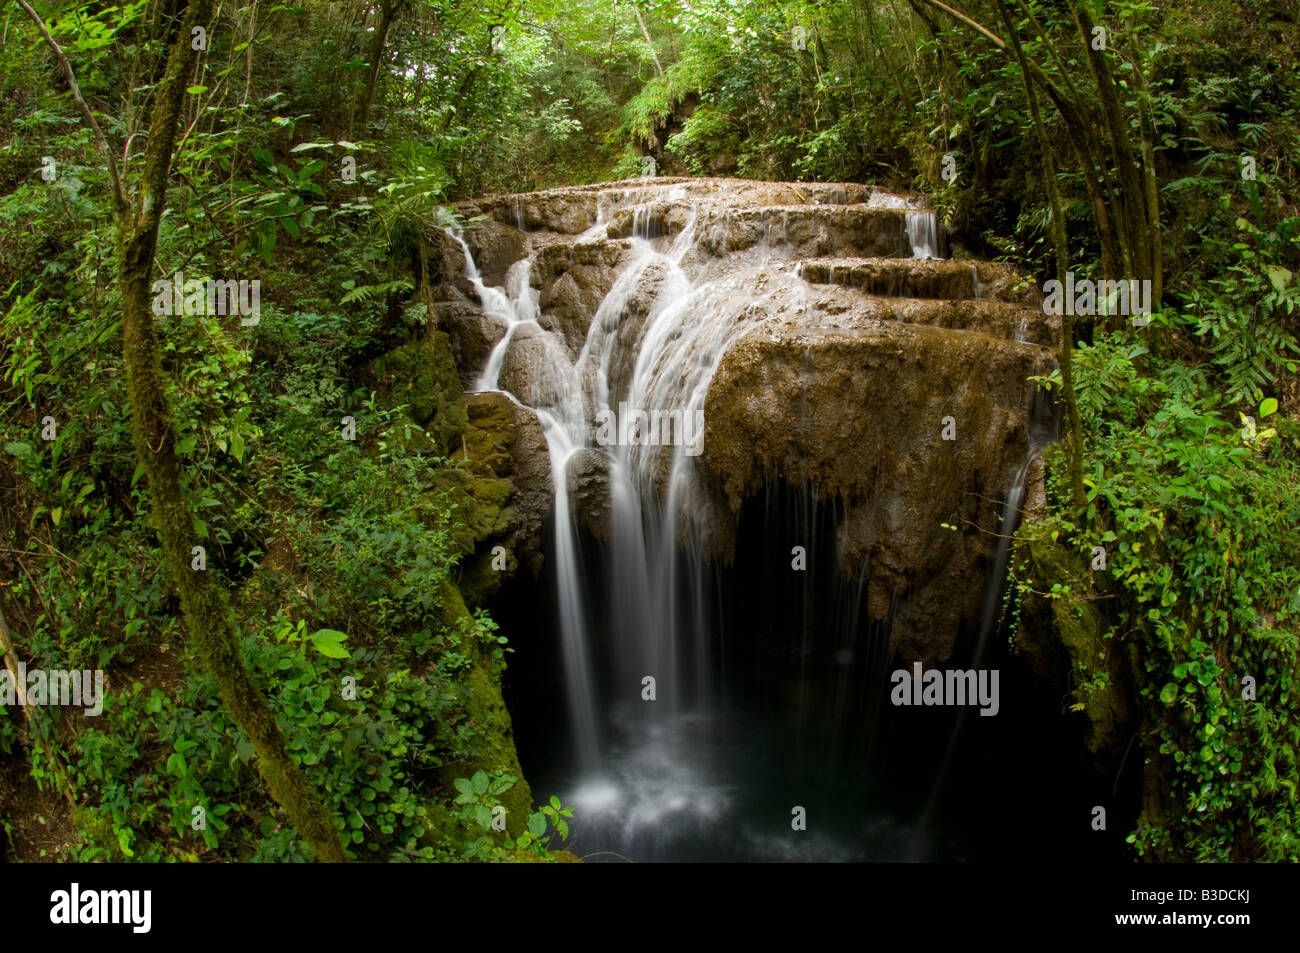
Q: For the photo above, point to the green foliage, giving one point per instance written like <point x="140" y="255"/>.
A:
<point x="480" y="808"/>
<point x="1245" y="310"/>
<point x="1198" y="517"/>
<point x="359" y="598"/>
<point x="278" y="199"/>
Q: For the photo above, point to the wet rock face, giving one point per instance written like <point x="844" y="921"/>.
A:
<point x="572" y="281"/>
<point x="909" y="278"/>
<point x="809" y="231"/>
<point x="588" y="483"/>
<point x="805" y="325"/>
<point x="865" y="415"/>
<point x="495" y="248"/>
<point x="565" y="211"/>
<point x="472" y="333"/>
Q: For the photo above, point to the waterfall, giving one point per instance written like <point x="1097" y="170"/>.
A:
<point x="648" y="612"/>
<point x="654" y="597"/>
<point x="573" y="622"/>
<point x="923" y="233"/>
<point x="922" y="224"/>
<point x="556" y="399"/>
<point x="516" y="305"/>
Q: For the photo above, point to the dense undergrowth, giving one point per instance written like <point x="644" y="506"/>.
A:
<point x="1188" y="545"/>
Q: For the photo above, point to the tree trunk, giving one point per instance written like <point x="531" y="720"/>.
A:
<point x="1131" y="200"/>
<point x="387" y="11"/>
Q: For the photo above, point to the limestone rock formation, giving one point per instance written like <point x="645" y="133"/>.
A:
<point x="587" y="474"/>
<point x="815" y="329"/>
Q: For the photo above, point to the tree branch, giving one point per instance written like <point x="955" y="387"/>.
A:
<point x="997" y="41"/>
<point x="646" y="33"/>
<point x="120" y="201"/>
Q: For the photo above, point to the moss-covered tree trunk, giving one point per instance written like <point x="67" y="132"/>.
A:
<point x="1138" y="200"/>
<point x="208" y="620"/>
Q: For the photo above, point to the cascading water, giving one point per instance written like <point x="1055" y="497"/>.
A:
<point x="676" y="356"/>
<point x="922" y="224"/>
<point x="649" y="762"/>
<point x="561" y="416"/>
<point x="923" y="233"/>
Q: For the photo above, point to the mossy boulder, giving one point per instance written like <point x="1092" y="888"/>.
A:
<point x="492" y="743"/>
<point x="421" y="375"/>
<point x="505" y="476"/>
<point x="478" y="502"/>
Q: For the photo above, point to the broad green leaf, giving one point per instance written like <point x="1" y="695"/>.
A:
<point x="327" y="642"/>
<point x="1269" y="406"/>
<point x="537" y="824"/>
